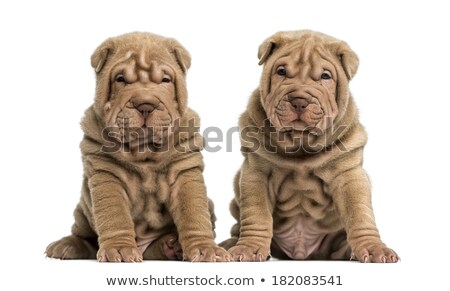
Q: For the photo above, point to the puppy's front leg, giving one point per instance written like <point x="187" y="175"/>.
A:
<point x="188" y="205"/>
<point x="256" y="220"/>
<point x="353" y="199"/>
<point x="112" y="218"/>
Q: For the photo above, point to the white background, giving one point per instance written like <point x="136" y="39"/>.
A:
<point x="401" y="89"/>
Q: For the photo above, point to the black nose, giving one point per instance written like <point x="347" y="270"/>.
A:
<point x="299" y="104"/>
<point x="144" y="107"/>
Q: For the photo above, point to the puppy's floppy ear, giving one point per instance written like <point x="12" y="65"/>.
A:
<point x="101" y="54"/>
<point x="265" y="49"/>
<point x="270" y="45"/>
<point x="183" y="59"/>
<point x="349" y="59"/>
<point x="181" y="55"/>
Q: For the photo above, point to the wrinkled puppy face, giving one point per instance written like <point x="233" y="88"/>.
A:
<point x="142" y="102"/>
<point x="140" y="87"/>
<point x="304" y="76"/>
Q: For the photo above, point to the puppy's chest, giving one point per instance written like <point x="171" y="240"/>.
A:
<point x="148" y="195"/>
<point x="149" y="183"/>
<point x="297" y="192"/>
<point x="148" y="207"/>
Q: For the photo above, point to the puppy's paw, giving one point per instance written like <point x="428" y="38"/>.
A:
<point x="71" y="247"/>
<point x="241" y="253"/>
<point x="375" y="253"/>
<point x="208" y="253"/>
<point x="119" y="254"/>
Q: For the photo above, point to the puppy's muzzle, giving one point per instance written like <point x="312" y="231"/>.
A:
<point x="306" y="108"/>
<point x="144" y="104"/>
<point x="298" y="103"/>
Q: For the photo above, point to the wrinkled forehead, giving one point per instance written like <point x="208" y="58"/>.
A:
<point x="143" y="57"/>
<point x="143" y="65"/>
<point x="308" y="50"/>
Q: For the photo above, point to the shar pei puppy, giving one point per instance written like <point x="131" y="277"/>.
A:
<point x="143" y="194"/>
<point x="301" y="192"/>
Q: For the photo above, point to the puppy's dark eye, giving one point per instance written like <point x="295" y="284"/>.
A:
<point x="326" y="75"/>
<point x="120" y="78"/>
<point x="281" y="71"/>
<point x="166" y="79"/>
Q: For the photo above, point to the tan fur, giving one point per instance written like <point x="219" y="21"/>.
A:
<point x="302" y="192"/>
<point x="137" y="201"/>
